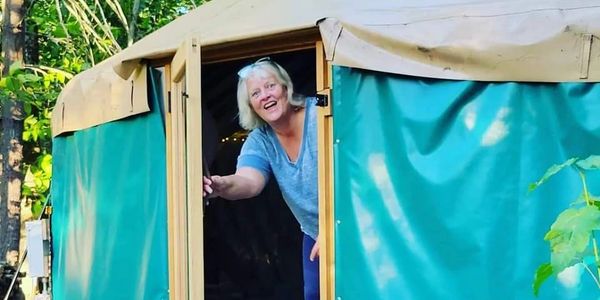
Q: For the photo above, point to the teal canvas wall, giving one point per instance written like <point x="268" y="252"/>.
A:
<point x="109" y="221"/>
<point x="431" y="182"/>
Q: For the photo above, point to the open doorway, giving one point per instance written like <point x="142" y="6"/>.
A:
<point x="252" y="247"/>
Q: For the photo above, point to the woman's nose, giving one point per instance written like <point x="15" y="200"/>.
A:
<point x="264" y="94"/>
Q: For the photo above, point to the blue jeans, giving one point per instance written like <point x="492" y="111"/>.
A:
<point x="311" y="270"/>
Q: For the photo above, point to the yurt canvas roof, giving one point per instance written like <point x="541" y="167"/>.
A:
<point x="543" y="41"/>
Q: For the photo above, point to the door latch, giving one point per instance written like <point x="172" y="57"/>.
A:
<point x="322" y="100"/>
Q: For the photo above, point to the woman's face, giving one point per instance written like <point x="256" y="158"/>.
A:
<point x="268" y="98"/>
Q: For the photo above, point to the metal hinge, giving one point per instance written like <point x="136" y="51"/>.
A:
<point x="322" y="100"/>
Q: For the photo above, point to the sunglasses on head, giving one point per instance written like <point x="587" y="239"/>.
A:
<point x="243" y="73"/>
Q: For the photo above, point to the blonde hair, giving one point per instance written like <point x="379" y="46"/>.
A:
<point x="263" y="67"/>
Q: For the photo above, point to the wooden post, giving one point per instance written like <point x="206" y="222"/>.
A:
<point x="178" y="266"/>
<point x="186" y="221"/>
<point x="326" y="196"/>
<point x="195" y="205"/>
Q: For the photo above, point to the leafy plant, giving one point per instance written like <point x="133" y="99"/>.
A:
<point x="37" y="88"/>
<point x="573" y="233"/>
<point x="69" y="37"/>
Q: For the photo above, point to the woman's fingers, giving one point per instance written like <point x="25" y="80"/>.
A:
<point x="207" y="186"/>
<point x="213" y="185"/>
<point x="207" y="189"/>
<point x="314" y="253"/>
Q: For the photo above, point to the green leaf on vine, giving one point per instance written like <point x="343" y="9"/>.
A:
<point x="543" y="272"/>
<point x="570" y="235"/>
<point x="46" y="163"/>
<point x="590" y="163"/>
<point x="550" y="172"/>
<point x="595" y="201"/>
<point x="14" y="68"/>
<point x="27" y="108"/>
<point x="13" y="84"/>
<point x="36" y="207"/>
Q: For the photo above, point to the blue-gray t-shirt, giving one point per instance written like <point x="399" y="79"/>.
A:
<point x="297" y="180"/>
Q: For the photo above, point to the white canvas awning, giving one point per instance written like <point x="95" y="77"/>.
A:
<point x="540" y="41"/>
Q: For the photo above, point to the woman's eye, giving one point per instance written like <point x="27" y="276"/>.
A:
<point x="254" y="94"/>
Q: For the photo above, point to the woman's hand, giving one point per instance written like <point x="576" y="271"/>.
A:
<point x="213" y="186"/>
<point x="314" y="253"/>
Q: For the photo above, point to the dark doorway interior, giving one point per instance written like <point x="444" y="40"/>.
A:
<point x="252" y="247"/>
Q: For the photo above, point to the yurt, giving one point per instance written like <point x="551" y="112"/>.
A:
<point x="434" y="116"/>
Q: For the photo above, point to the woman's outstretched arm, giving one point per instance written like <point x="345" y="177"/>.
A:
<point x="246" y="183"/>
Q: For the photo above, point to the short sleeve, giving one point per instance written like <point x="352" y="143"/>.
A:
<point x="254" y="153"/>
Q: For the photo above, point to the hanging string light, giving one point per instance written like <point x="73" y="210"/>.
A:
<point x="237" y="137"/>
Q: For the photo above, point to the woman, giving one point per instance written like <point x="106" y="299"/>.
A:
<point x="283" y="143"/>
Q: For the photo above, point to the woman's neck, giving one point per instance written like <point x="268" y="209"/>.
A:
<point x="292" y="125"/>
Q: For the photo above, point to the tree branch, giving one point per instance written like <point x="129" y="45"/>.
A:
<point x="60" y="18"/>
<point x="133" y="23"/>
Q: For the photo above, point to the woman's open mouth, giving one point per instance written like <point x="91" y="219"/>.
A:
<point x="269" y="105"/>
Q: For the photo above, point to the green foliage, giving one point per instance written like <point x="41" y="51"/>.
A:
<point x="37" y="181"/>
<point x="37" y="88"/>
<point x="157" y="13"/>
<point x="551" y="172"/>
<point x="542" y="273"/>
<point x="71" y="38"/>
<point x="590" y="163"/>
<point x="571" y="236"/>
<point x="66" y="49"/>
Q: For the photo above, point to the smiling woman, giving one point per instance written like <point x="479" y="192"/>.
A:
<point x="278" y="148"/>
<point x="257" y="240"/>
<point x="263" y="83"/>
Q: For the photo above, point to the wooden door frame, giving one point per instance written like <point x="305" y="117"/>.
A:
<point x="184" y="173"/>
<point x="185" y="209"/>
<point x="325" y="166"/>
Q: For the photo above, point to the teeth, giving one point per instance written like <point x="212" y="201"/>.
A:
<point x="269" y="105"/>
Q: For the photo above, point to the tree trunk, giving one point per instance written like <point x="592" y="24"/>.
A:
<point x="11" y="144"/>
